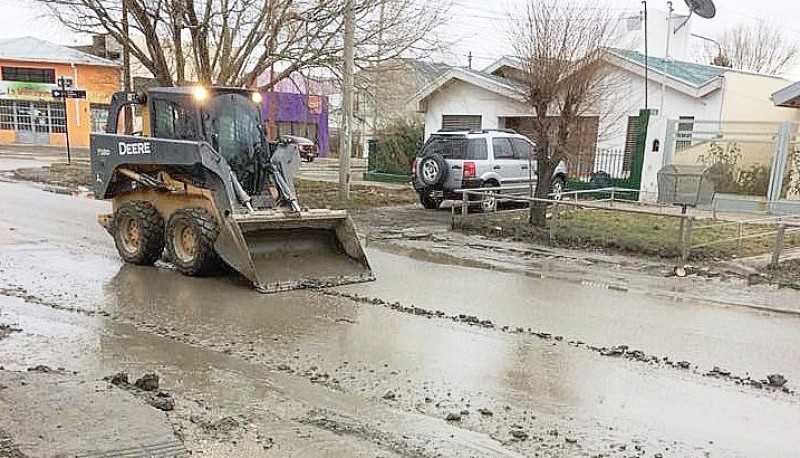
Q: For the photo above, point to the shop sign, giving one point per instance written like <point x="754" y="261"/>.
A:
<point x="315" y="104"/>
<point x="18" y="90"/>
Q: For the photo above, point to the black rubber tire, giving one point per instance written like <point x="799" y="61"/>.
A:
<point x="437" y="166"/>
<point x="554" y="187"/>
<point x="148" y="245"/>
<point x="428" y="202"/>
<point x="487" y="207"/>
<point x="201" y="259"/>
<point x="310" y="159"/>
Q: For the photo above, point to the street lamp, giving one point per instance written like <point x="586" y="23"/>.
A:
<point x="721" y="59"/>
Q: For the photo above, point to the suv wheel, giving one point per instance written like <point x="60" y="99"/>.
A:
<point x="429" y="202"/>
<point x="432" y="169"/>
<point x="557" y="187"/>
<point x="489" y="200"/>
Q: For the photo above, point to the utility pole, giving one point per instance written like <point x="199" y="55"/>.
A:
<point x="126" y="66"/>
<point x="646" y="76"/>
<point x="345" y="140"/>
<point x="666" y="59"/>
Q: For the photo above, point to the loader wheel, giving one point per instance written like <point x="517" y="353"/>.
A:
<point x="138" y="231"/>
<point x="191" y="233"/>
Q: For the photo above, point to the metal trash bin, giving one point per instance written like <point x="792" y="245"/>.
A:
<point x="686" y="185"/>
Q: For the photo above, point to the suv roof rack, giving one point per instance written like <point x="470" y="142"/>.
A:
<point x="486" y="131"/>
<point x="479" y="131"/>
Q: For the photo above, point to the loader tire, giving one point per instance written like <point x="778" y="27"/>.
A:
<point x="191" y="233"/>
<point x="138" y="231"/>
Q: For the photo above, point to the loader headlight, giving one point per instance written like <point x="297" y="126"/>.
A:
<point x="200" y="93"/>
<point x="256" y="97"/>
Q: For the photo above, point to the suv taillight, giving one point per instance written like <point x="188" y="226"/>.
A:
<point x="469" y="170"/>
<point x="414" y="169"/>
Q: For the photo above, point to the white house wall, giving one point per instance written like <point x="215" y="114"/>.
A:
<point x="631" y="91"/>
<point x="460" y="98"/>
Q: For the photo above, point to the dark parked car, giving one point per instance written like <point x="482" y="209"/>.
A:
<point x="308" y="149"/>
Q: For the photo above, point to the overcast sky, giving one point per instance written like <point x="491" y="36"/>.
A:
<point x="476" y="26"/>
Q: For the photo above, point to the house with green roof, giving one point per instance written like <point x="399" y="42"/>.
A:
<point x="672" y="89"/>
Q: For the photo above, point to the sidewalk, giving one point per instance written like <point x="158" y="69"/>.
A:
<point x="44" y="153"/>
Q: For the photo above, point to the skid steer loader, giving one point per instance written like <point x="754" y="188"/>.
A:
<point x="201" y="181"/>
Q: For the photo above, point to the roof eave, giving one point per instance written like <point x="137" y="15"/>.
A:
<point x="671" y="82"/>
<point x="63" y="62"/>
<point x="458" y="74"/>
<point x="787" y="96"/>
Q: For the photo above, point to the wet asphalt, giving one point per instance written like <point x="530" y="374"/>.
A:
<point x="521" y="366"/>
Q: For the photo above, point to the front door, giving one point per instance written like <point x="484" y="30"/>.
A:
<point x="32" y="122"/>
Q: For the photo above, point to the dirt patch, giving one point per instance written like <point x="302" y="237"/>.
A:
<point x="59" y="174"/>
<point x="628" y="233"/>
<point x="321" y="194"/>
<point x="786" y="275"/>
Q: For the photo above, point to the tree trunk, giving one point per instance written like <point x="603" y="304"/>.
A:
<point x="538" y="211"/>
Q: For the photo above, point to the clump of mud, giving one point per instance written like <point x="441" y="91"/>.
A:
<point x="7" y="447"/>
<point x="8" y="329"/>
<point x="145" y="388"/>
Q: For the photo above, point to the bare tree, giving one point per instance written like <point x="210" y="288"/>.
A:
<point x="760" y="46"/>
<point x="560" y="46"/>
<point x="230" y="42"/>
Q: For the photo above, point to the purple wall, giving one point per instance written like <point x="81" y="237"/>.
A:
<point x="312" y="109"/>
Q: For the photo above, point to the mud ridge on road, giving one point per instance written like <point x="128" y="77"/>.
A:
<point x="7" y="329"/>
<point x="772" y="382"/>
<point x="21" y="293"/>
<point x="344" y="426"/>
<point x="7" y="447"/>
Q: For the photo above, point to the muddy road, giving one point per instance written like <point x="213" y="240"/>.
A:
<point x="460" y="348"/>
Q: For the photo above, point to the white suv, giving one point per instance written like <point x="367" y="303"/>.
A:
<point x="453" y="160"/>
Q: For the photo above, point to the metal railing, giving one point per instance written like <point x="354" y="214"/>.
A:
<point x="567" y="198"/>
<point x="780" y="227"/>
<point x="777" y="227"/>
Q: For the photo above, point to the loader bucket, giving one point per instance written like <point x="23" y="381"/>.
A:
<point x="280" y="251"/>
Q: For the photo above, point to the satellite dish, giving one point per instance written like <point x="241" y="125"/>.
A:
<point x="703" y="8"/>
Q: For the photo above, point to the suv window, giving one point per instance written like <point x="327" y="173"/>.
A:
<point x="455" y="147"/>
<point x="502" y="148"/>
<point x="522" y="149"/>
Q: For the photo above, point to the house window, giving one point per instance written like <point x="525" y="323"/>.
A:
<point x="29" y="75"/>
<point x="40" y="117"/>
<point x="461" y="122"/>
<point x="683" y="138"/>
<point x="58" y="118"/>
<point x="99" y="115"/>
<point x="6" y="115"/>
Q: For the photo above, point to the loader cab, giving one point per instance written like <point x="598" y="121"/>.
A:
<point x="228" y="119"/>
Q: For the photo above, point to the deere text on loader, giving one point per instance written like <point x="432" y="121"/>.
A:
<point x="201" y="184"/>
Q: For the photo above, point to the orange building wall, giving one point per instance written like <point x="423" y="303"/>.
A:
<point x="100" y="84"/>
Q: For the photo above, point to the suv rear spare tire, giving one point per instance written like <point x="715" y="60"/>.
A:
<point x="433" y="169"/>
<point x="138" y="232"/>
<point x="191" y="233"/>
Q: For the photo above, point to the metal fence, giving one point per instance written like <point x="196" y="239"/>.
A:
<point x="693" y="234"/>
<point x="614" y="162"/>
